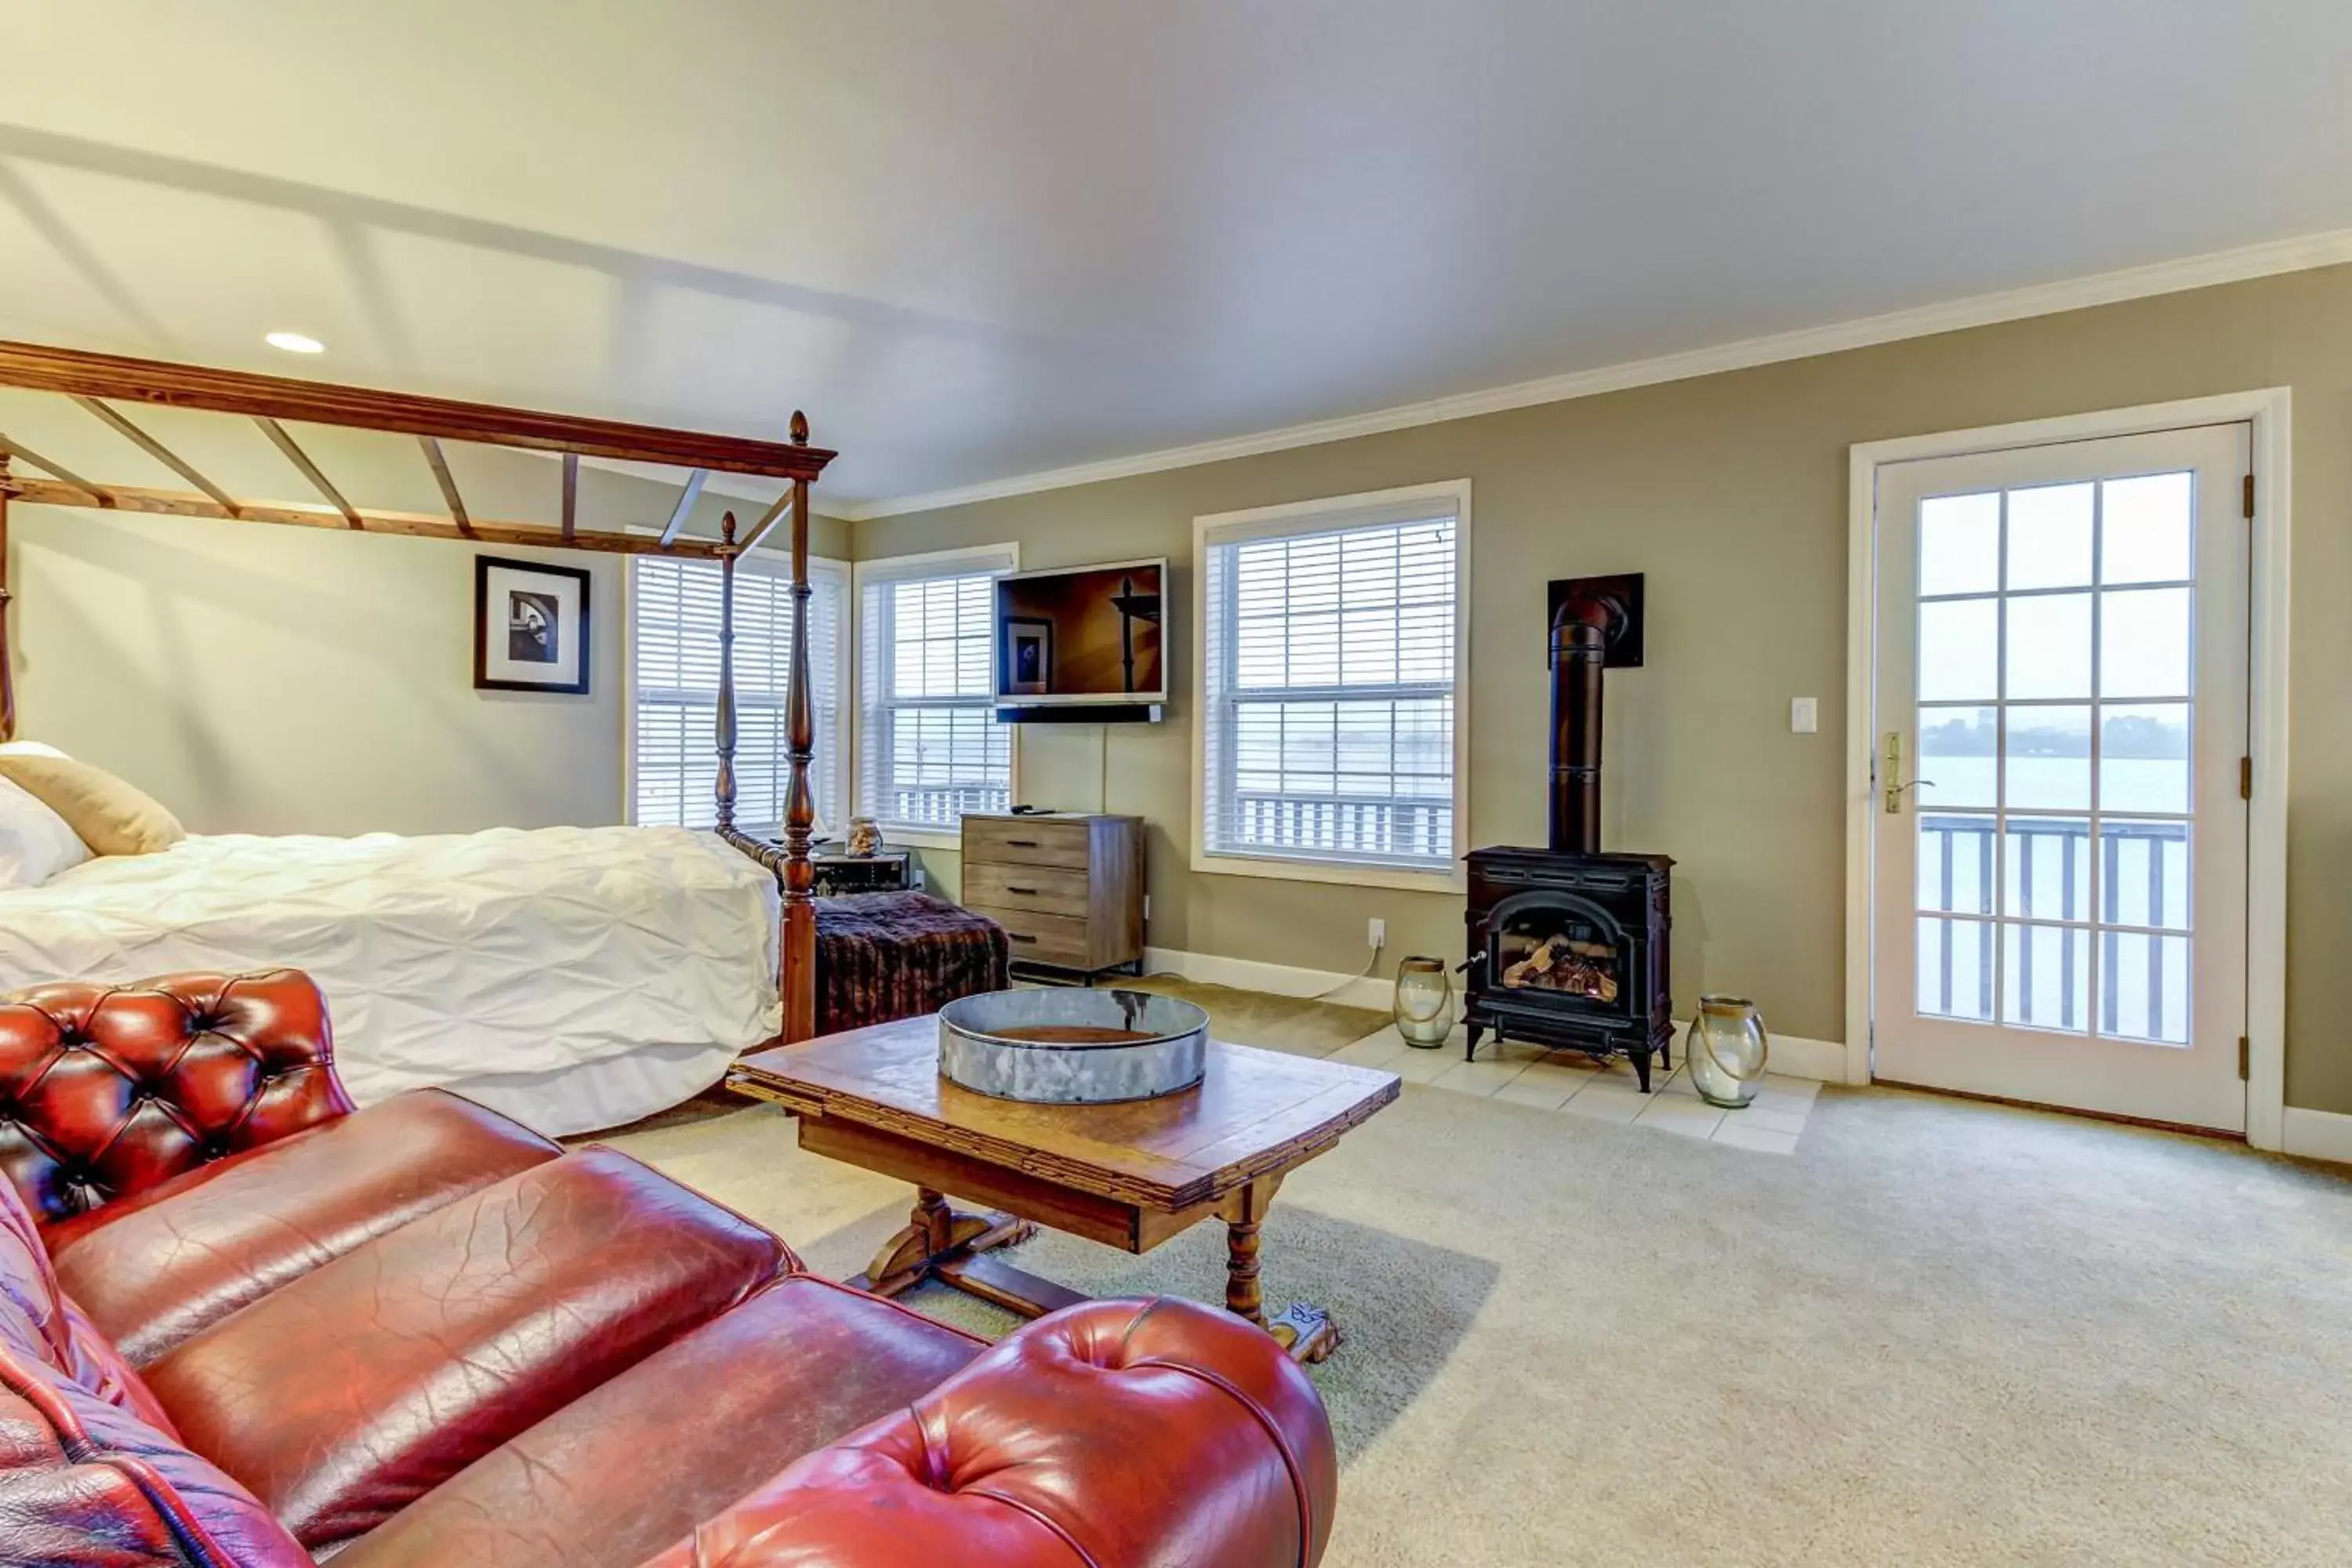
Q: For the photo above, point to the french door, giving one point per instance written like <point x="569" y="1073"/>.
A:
<point x="2059" y="879"/>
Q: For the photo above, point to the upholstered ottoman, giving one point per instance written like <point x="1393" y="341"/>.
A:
<point x="881" y="956"/>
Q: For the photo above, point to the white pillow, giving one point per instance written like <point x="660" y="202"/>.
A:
<point x="35" y="842"/>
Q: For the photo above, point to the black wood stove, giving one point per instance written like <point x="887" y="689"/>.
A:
<point x="1568" y="946"/>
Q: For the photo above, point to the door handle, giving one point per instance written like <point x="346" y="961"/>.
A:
<point x="1892" y="774"/>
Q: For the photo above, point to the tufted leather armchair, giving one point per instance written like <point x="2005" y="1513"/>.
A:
<point x="242" y="1324"/>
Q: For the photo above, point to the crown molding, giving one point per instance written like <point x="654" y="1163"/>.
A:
<point x="2246" y="262"/>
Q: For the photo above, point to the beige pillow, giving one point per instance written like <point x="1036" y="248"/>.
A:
<point x="107" y="814"/>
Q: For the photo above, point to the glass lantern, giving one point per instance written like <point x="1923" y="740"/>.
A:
<point x="1424" y="1002"/>
<point x="1727" y="1049"/>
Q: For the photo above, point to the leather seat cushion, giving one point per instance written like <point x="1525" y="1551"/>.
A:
<point x="156" y="1268"/>
<point x="346" y="1394"/>
<point x="800" y="1364"/>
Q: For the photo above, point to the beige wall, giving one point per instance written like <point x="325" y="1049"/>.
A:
<point x="268" y="680"/>
<point x="1731" y="493"/>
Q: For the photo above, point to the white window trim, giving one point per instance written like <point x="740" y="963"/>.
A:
<point x="892" y="568"/>
<point x="771" y="561"/>
<point x="1281" y="519"/>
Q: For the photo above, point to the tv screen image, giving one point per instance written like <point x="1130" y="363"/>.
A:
<point x="1090" y="635"/>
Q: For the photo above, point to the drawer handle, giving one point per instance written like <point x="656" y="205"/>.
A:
<point x="1020" y="936"/>
<point x="1017" y="888"/>
<point x="1020" y="843"/>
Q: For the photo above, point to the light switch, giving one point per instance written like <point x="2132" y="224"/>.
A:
<point x="1804" y="715"/>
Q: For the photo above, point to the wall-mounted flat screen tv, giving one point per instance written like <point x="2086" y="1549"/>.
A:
<point x="1083" y="634"/>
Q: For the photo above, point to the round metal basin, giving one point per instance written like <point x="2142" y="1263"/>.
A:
<point x="1073" y="1046"/>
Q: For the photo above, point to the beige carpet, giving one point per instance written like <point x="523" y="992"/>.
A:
<point x="1939" y="1333"/>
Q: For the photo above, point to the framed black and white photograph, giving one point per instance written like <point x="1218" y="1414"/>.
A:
<point x="1028" y="656"/>
<point x="531" y="626"/>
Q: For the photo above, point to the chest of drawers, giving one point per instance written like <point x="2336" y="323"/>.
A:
<point x="1067" y="888"/>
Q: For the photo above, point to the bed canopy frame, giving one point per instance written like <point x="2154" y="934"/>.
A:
<point x="98" y="382"/>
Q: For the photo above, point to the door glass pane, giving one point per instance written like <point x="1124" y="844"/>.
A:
<point x="1955" y="968"/>
<point x="1957" y="747"/>
<point x="1959" y="651"/>
<point x="1955" y="864"/>
<point x="2144" y="533"/>
<point x="2046" y="977"/>
<point x="2048" y="767"/>
<point x="2055" y="719"/>
<point x="2143" y="643"/>
<point x="2050" y="537"/>
<point x="2046" y="868"/>
<point x="2144" y="987"/>
<point x="2144" y="874"/>
<point x="2050" y="646"/>
<point x="1960" y="544"/>
<point x="2144" y="756"/>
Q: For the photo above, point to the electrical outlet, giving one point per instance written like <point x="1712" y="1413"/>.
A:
<point x="1804" y="715"/>
<point x="1376" y="933"/>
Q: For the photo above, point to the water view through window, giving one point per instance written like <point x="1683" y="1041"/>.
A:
<point x="2055" y="716"/>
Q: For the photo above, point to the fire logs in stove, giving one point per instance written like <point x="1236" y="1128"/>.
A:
<point x="1567" y="943"/>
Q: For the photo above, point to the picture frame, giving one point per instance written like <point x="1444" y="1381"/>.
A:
<point x="1028" y="655"/>
<point x="532" y="624"/>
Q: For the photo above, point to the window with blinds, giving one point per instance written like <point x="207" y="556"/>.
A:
<point x="1328" y="665"/>
<point x="673" y="685"/>
<point x="931" y="748"/>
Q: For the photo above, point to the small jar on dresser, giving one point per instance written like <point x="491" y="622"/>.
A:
<point x="1067" y="887"/>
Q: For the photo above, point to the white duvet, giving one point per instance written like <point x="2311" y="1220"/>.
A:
<point x="443" y="959"/>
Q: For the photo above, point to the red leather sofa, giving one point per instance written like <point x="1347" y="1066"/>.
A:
<point x="242" y="1324"/>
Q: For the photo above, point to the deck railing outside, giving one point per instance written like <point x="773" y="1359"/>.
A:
<point x="2127" y="873"/>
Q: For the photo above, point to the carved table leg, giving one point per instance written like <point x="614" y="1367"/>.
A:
<point x="935" y="1235"/>
<point x="1241" y="1296"/>
<point x="1307" y="1332"/>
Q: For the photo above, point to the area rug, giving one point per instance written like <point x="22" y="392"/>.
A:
<point x="1939" y="1333"/>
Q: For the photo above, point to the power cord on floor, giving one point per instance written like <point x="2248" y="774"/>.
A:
<point x="1365" y="973"/>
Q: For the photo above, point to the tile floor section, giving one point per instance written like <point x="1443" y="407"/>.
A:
<point x="1570" y="1084"/>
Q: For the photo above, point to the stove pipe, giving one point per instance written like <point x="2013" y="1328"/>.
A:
<point x="1580" y="630"/>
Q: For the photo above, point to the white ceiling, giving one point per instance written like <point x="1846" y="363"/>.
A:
<point x="978" y="240"/>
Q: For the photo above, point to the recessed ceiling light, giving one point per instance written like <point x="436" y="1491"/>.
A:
<point x="294" y="343"/>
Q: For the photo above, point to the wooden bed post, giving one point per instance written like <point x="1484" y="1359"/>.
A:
<point x="726" y="716"/>
<point x="800" y="801"/>
<point x="7" y="672"/>
<point x="795" y="872"/>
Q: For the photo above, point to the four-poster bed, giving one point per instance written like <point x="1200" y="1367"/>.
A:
<point x="111" y="389"/>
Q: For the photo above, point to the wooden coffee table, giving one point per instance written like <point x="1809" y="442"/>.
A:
<point x="1128" y="1175"/>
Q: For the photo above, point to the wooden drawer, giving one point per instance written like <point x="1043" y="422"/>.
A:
<point x="1044" y="889"/>
<point x="1012" y="841"/>
<point x="1040" y="938"/>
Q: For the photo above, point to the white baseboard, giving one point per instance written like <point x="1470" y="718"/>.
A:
<point x="1795" y="1055"/>
<point x="2318" y="1135"/>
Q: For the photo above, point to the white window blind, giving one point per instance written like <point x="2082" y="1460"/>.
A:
<point x="931" y="748"/>
<point x="1328" y="673"/>
<point x="674" y="681"/>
